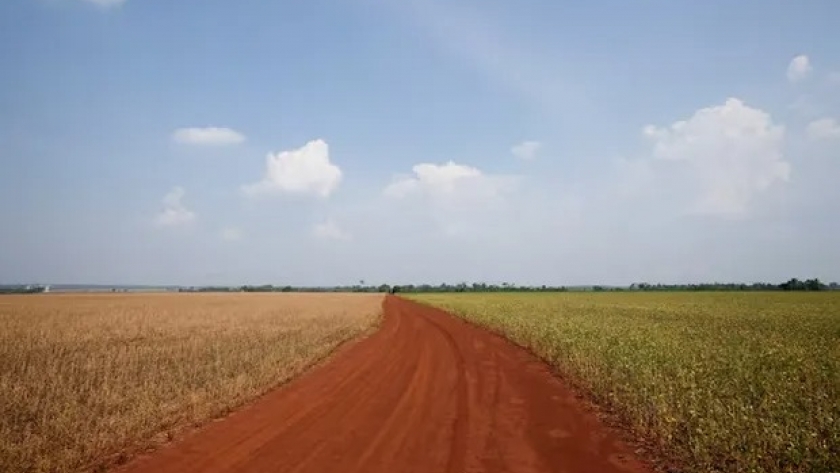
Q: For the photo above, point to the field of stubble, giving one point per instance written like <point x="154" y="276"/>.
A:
<point x="86" y="381"/>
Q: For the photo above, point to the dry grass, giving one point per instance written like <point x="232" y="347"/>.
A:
<point x="724" y="382"/>
<point x="85" y="380"/>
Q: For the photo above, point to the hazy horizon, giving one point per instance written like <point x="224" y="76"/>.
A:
<point x="379" y="283"/>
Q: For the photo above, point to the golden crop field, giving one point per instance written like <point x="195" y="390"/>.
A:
<point x="728" y="382"/>
<point x="88" y="380"/>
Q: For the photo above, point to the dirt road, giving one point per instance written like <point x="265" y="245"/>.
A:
<point x="426" y="393"/>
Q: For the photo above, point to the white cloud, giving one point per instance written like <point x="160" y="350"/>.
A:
<point x="329" y="230"/>
<point x="106" y="3"/>
<point x="527" y="150"/>
<point x="461" y="200"/>
<point x="443" y="181"/>
<point x="824" y="128"/>
<point x="432" y="178"/>
<point x="799" y="68"/>
<point x="209" y="136"/>
<point x="231" y="234"/>
<point x="732" y="151"/>
<point x="306" y="170"/>
<point x="174" y="212"/>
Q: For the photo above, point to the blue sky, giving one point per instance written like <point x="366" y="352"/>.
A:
<point x="222" y="142"/>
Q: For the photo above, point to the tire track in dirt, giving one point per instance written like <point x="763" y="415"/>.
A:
<point x="426" y="393"/>
<point x="462" y="420"/>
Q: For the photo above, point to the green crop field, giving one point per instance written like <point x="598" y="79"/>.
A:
<point x="730" y="382"/>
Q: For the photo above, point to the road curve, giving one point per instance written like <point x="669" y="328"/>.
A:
<point x="426" y="393"/>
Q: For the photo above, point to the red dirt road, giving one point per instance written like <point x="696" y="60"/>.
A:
<point x="426" y="393"/>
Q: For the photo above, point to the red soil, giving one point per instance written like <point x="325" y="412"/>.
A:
<point x="426" y="393"/>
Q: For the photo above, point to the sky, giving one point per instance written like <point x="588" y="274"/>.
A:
<point x="326" y="142"/>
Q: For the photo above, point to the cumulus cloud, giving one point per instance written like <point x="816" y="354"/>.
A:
<point x="448" y="181"/>
<point x="231" y="234"/>
<point x="432" y="178"/>
<point x="174" y="212"/>
<point x="460" y="200"/>
<point x="303" y="171"/>
<point x="733" y="152"/>
<point x="209" y="136"/>
<point x="330" y="230"/>
<point x="527" y="150"/>
<point x="824" y="128"/>
<point x="799" y="68"/>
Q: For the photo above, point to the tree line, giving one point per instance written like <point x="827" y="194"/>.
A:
<point x="790" y="285"/>
<point x="793" y="284"/>
<point x="20" y="289"/>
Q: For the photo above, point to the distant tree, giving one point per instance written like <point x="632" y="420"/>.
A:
<point x="814" y="285"/>
<point x="797" y="285"/>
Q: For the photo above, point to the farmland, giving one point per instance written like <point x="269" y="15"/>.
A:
<point x="716" y="381"/>
<point x="88" y="380"/>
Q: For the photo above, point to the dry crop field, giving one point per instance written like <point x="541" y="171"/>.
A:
<point x="88" y="380"/>
<point x="732" y="382"/>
